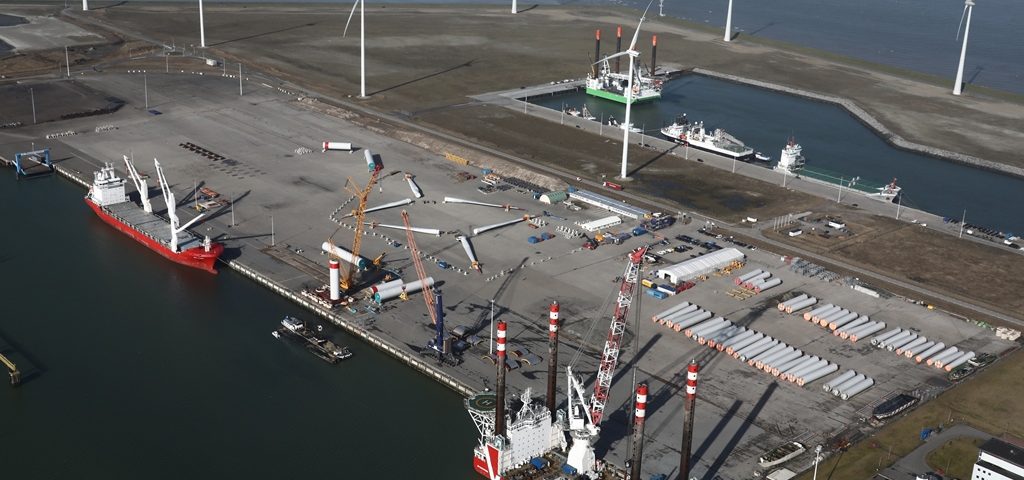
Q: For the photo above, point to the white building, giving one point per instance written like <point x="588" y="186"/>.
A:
<point x="701" y="265"/>
<point x="998" y="460"/>
<point x="610" y="204"/>
<point x="601" y="223"/>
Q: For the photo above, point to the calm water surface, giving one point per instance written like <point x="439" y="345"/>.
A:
<point x="832" y="139"/>
<point x="139" y="368"/>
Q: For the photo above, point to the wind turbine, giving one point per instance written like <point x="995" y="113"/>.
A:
<point x="202" y="26"/>
<point x="629" y="88"/>
<point x="728" y="23"/>
<point x="362" y="43"/>
<point x="968" y="8"/>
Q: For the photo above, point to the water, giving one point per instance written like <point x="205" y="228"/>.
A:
<point x="918" y="35"/>
<point x="150" y="370"/>
<point x="832" y="140"/>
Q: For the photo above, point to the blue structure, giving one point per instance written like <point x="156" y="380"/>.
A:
<point x="438" y="342"/>
<point x="25" y="160"/>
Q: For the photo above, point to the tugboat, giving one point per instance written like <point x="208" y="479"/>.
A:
<point x="889" y="192"/>
<point x="781" y="454"/>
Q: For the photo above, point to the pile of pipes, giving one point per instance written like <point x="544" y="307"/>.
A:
<point x="849" y="384"/>
<point x="757" y="349"/>
<point x="1007" y="333"/>
<point x="105" y="128"/>
<point x="303" y="151"/>
<point x="757" y="281"/>
<point x="682" y="316"/>
<point x="390" y="290"/>
<point x="797" y="303"/>
<point x="843" y="323"/>
<point x="932" y="353"/>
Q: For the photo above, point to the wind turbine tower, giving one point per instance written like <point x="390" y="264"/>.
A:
<point x="202" y="26"/>
<point x="632" y="53"/>
<point x="362" y="43"/>
<point x="85" y="5"/>
<point x="514" y="9"/>
<point x="728" y="23"/>
<point x="968" y="8"/>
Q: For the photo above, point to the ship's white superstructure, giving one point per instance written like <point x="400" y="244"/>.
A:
<point x="792" y="159"/>
<point x="529" y="433"/>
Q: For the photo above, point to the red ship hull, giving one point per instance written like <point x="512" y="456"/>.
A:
<point x="196" y="257"/>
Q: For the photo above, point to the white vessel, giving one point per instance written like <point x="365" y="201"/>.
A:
<point x="888" y="192"/>
<point x="792" y="159"/>
<point x="718" y="142"/>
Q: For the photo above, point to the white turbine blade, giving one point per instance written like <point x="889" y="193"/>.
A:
<point x="609" y="57"/>
<point x="350" y="14"/>
<point x="632" y="45"/>
<point x="958" y="27"/>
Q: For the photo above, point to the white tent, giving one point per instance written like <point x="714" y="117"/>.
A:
<point x="701" y="265"/>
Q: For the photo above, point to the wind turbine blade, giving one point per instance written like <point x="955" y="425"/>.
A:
<point x="350" y="14"/>
<point x="962" y="15"/>
<point x="609" y="57"/>
<point x="636" y="34"/>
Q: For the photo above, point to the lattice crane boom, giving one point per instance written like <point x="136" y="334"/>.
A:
<point x="427" y="291"/>
<point x="610" y="355"/>
<point x="359" y="214"/>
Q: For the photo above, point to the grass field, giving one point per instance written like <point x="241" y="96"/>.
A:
<point x="983" y="402"/>
<point x="956" y="458"/>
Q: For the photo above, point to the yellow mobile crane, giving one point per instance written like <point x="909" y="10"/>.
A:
<point x="359" y="214"/>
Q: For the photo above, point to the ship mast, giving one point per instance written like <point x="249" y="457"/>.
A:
<point x="171" y="204"/>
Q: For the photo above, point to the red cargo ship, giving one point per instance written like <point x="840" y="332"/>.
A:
<point x="108" y="199"/>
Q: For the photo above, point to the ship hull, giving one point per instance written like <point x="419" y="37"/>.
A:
<point x="196" y="257"/>
<point x="615" y="97"/>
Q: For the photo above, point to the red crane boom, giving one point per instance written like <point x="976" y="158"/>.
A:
<point x="610" y="356"/>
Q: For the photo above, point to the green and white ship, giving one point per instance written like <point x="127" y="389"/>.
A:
<point x="605" y="83"/>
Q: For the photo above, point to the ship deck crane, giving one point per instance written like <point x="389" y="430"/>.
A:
<point x="585" y="416"/>
<point x="359" y="214"/>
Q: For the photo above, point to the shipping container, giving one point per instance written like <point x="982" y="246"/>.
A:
<point x="647" y="283"/>
<point x="656" y="293"/>
<point x="667" y="289"/>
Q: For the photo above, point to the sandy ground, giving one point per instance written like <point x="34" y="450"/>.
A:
<point x="429" y="57"/>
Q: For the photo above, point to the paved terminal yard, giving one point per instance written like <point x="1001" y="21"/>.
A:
<point x="742" y="412"/>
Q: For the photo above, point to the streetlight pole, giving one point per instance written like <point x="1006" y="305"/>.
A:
<point x="239" y="79"/>
<point x="273" y="242"/>
<point x="145" y="88"/>
<point x="32" y="94"/>
<point x="490" y="344"/>
<point x="232" y="213"/>
<point x="840" y="197"/>
<point x="817" y="458"/>
<point x="899" y="203"/>
<point x="67" y="60"/>
<point x="962" y="220"/>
